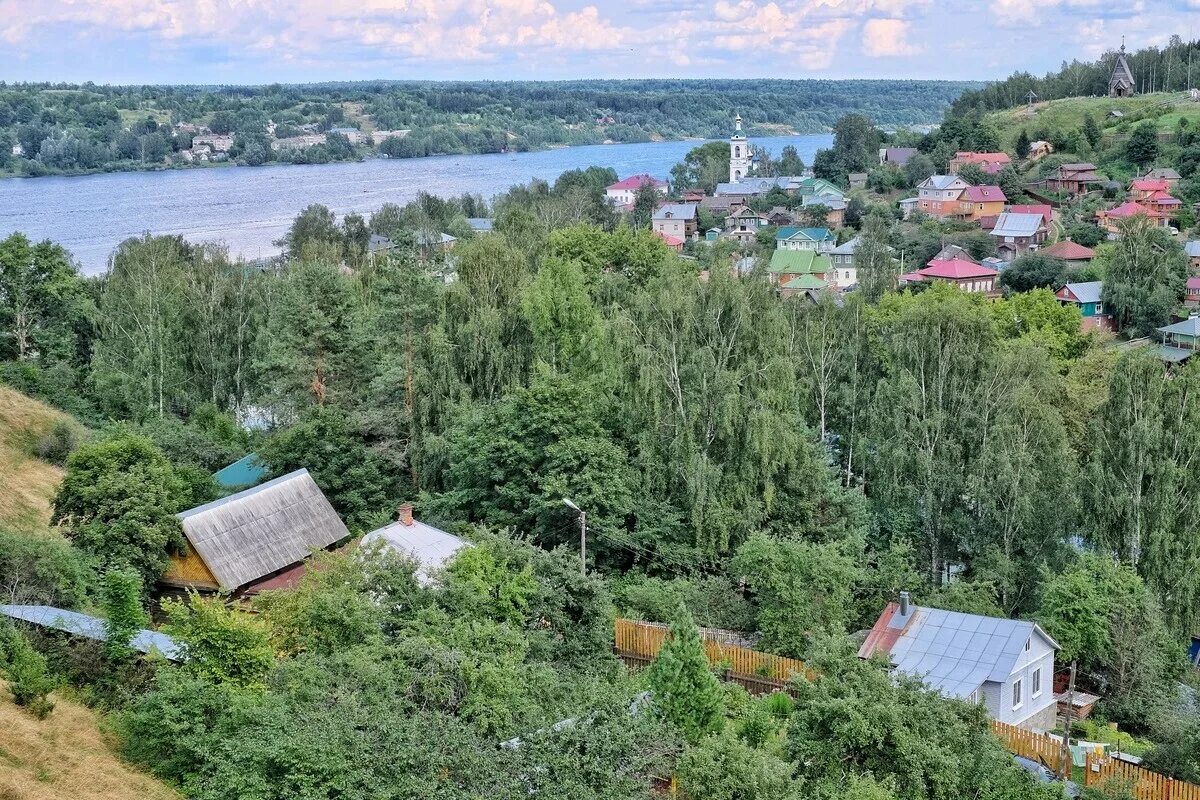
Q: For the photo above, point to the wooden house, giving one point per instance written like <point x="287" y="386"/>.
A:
<point x="431" y="548"/>
<point x="1191" y="292"/>
<point x="677" y="220"/>
<point x="969" y="276"/>
<point x="1017" y="234"/>
<point x="745" y="223"/>
<point x="1111" y="219"/>
<point x="1071" y="253"/>
<point x="939" y="195"/>
<point x="821" y="240"/>
<point x="1192" y="248"/>
<point x="255" y="539"/>
<point x="1074" y="178"/>
<point x="990" y="163"/>
<point x="788" y="265"/>
<point x="1087" y="297"/>
<point x="978" y="202"/>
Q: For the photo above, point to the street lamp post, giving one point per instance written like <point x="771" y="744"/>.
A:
<point x="582" y="535"/>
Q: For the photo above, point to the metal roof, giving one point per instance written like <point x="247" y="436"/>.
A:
<point x="1192" y="248"/>
<point x="676" y="211"/>
<point x="942" y="182"/>
<point x="1189" y="327"/>
<point x="1017" y="225"/>
<point x="430" y="547"/>
<point x="246" y="471"/>
<point x="952" y="652"/>
<point x="254" y="533"/>
<point x="480" y="224"/>
<point x="848" y="248"/>
<point x="1086" y="292"/>
<point x="77" y="624"/>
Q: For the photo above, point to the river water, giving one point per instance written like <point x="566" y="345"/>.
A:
<point x="248" y="208"/>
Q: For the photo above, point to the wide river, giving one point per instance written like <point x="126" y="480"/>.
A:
<point x="248" y="208"/>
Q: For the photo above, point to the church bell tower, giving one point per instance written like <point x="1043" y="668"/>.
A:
<point x="741" y="155"/>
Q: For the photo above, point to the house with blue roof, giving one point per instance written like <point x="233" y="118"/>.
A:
<point x="821" y="240"/>
<point x="1006" y="665"/>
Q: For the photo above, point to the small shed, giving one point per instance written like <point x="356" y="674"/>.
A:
<point x="77" y="624"/>
<point x="255" y="539"/>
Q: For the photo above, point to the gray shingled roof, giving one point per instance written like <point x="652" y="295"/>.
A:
<point x="1086" y="292"/>
<point x="955" y="653"/>
<point x="430" y="547"/>
<point x="252" y="534"/>
<point x="77" y="624"/>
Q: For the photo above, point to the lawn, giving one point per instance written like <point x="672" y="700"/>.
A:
<point x="1165" y="108"/>
<point x="28" y="482"/>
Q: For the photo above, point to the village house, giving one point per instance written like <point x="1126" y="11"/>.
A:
<point x="938" y="195"/>
<point x="1006" y="665"/>
<point x="1074" y="178"/>
<point x="821" y="240"/>
<point x="624" y="192"/>
<point x="1045" y="209"/>
<point x="677" y="220"/>
<point x="1111" y="219"/>
<point x="1155" y="195"/>
<point x="857" y="180"/>
<point x="1192" y="248"/>
<point x="990" y="163"/>
<point x="1070" y="253"/>
<point x="673" y="242"/>
<point x="1018" y="233"/>
<point x="909" y="206"/>
<point x="1087" y="297"/>
<point x="897" y="156"/>
<point x="1191" y="292"/>
<point x="836" y="217"/>
<point x="256" y="539"/>
<point x="780" y="216"/>
<point x="744" y="224"/>
<point x="978" y="202"/>
<point x="692" y="195"/>
<point x="1164" y="174"/>
<point x="968" y="275"/>
<point x="844" y="273"/>
<point x="217" y="143"/>
<point x="1039" y="150"/>
<point x="790" y="265"/>
<point x="480" y="225"/>
<point x="431" y="548"/>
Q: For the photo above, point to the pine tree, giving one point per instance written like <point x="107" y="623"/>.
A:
<point x="1022" y="144"/>
<point x="1091" y="130"/>
<point x="685" y="690"/>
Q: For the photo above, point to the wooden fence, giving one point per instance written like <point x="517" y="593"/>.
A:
<point x="1144" y="784"/>
<point x="757" y="671"/>
<point x="1098" y="770"/>
<point x="1034" y="746"/>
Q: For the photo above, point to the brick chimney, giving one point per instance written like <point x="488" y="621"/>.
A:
<point x="405" y="515"/>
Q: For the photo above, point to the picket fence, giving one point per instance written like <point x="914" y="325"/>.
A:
<point x="1098" y="770"/>
<point x="643" y="640"/>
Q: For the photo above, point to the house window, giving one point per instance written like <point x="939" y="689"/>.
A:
<point x="1017" y="693"/>
<point x="1027" y="645"/>
<point x="1037" y="683"/>
<point x="1099" y="308"/>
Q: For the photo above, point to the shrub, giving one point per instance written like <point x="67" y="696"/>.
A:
<point x="59" y="443"/>
<point x="28" y="678"/>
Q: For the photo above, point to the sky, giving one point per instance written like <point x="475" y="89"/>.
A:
<point x="265" y="41"/>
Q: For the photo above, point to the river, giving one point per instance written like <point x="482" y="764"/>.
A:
<point x="248" y="208"/>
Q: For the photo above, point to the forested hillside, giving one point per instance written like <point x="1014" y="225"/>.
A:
<point x="779" y="467"/>
<point x="64" y="128"/>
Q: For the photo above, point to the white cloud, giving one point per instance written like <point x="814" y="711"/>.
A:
<point x="887" y="37"/>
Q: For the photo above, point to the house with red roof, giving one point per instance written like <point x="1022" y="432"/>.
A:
<point x="673" y="242"/>
<point x="1191" y="295"/>
<point x="982" y="201"/>
<point x="991" y="163"/>
<point x="1142" y="188"/>
<point x="969" y="276"/>
<point x="1073" y="254"/>
<point x="622" y="193"/>
<point x="1110" y="219"/>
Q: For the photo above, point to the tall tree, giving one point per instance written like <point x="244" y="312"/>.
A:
<point x="1144" y="273"/>
<point x="44" y="309"/>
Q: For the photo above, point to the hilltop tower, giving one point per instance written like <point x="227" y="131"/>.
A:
<point x="741" y="154"/>
<point x="1120" y="84"/>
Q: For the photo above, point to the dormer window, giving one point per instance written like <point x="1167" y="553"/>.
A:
<point x="1027" y="641"/>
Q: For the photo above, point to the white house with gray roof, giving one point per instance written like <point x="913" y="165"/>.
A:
<point x="432" y="549"/>
<point x="678" y="220"/>
<point x="1005" y="664"/>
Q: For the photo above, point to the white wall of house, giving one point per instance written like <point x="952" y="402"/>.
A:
<point x="1034" y="672"/>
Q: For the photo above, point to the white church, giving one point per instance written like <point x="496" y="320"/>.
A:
<point x="741" y="153"/>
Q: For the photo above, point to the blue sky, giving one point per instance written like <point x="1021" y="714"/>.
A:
<point x="261" y="41"/>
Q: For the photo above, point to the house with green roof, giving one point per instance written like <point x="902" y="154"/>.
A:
<point x="791" y="237"/>
<point x="819" y="186"/>
<point x="795" y="271"/>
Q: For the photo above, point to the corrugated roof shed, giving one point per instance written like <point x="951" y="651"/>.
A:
<point x="77" y="624"/>
<point x="254" y="533"/>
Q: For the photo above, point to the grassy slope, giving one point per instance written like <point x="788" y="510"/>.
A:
<point x="28" y="482"/>
<point x="1164" y="108"/>
<point x="64" y="757"/>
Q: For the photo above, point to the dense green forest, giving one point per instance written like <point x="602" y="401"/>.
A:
<point x="773" y="466"/>
<point x="62" y="128"/>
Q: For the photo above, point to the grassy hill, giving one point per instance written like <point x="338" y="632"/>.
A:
<point x="64" y="757"/>
<point x="28" y="482"/>
<point x="1164" y="108"/>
